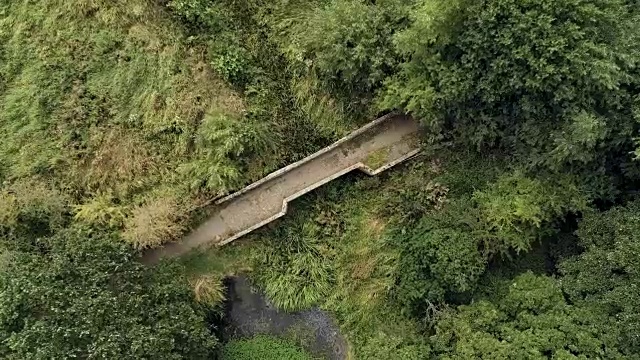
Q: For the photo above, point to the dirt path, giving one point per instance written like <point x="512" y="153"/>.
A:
<point x="372" y="149"/>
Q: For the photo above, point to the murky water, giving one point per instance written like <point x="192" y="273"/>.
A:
<point x="250" y="313"/>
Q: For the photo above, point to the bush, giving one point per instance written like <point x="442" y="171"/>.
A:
<point x="88" y="297"/>
<point x="518" y="210"/>
<point x="532" y="320"/>
<point x="447" y="250"/>
<point x="205" y="14"/>
<point x="31" y="207"/>
<point x="154" y="223"/>
<point x="223" y="144"/>
<point x="441" y="254"/>
<point x="605" y="278"/>
<point x="101" y="211"/>
<point x="549" y="80"/>
<point x="348" y="44"/>
<point x="297" y="276"/>
<point x="263" y="348"/>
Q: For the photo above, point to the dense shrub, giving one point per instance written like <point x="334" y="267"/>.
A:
<point x="87" y="297"/>
<point x="263" y="348"/>
<point x="202" y="14"/>
<point x="531" y="320"/>
<point x="589" y="310"/>
<point x="347" y="44"/>
<point x="517" y="210"/>
<point x="448" y="249"/>
<point x="440" y="254"/>
<point x="223" y="146"/>
<point x="605" y="277"/>
<point x="552" y="81"/>
<point x="216" y="24"/>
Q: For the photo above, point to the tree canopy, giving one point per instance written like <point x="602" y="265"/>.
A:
<point x="83" y="295"/>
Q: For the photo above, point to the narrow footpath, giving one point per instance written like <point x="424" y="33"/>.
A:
<point x="372" y="149"/>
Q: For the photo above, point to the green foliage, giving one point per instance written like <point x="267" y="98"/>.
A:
<point x="446" y="250"/>
<point x="440" y="254"/>
<point x="213" y="23"/>
<point x="334" y="252"/>
<point x="205" y="14"/>
<point x="291" y="109"/>
<point x="531" y="321"/>
<point x="126" y="104"/>
<point x="86" y="297"/>
<point x="117" y="113"/>
<point x="347" y="43"/>
<point x="263" y="348"/>
<point x="416" y="197"/>
<point x="222" y="146"/>
<point x="30" y="207"/>
<point x="101" y="211"/>
<point x="516" y="209"/>
<point x="605" y="276"/>
<point x="232" y="63"/>
<point x="551" y="80"/>
<point x="297" y="274"/>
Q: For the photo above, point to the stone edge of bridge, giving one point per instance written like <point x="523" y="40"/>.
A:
<point x="280" y="172"/>
<point x="285" y="203"/>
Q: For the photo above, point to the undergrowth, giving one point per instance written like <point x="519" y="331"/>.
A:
<point x="263" y="348"/>
<point x="387" y="255"/>
<point x="334" y="250"/>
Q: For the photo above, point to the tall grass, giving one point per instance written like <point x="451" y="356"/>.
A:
<point x="114" y="100"/>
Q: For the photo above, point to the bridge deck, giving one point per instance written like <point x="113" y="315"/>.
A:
<point x="372" y="149"/>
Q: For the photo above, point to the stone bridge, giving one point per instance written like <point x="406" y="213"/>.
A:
<point x="371" y="149"/>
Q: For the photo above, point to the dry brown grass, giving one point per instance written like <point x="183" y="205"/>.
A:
<point x="370" y="265"/>
<point x="209" y="290"/>
<point x="9" y="210"/>
<point x="154" y="223"/>
<point x="120" y="161"/>
<point x="365" y="261"/>
<point x="32" y="199"/>
<point x="375" y="226"/>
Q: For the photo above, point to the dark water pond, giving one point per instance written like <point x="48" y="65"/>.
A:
<point x="249" y="313"/>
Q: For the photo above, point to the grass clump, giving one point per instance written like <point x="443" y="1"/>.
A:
<point x="209" y="290"/>
<point x="300" y="275"/>
<point x="153" y="223"/>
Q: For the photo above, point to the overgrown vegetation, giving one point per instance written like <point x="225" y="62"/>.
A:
<point x="263" y="348"/>
<point x="512" y="236"/>
<point x="82" y="294"/>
